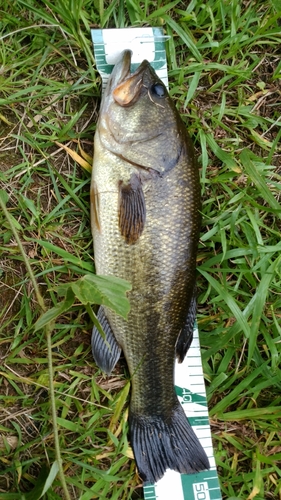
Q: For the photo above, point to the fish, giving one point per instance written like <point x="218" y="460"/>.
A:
<point x="145" y="220"/>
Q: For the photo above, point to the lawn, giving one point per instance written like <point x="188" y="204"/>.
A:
<point x="63" y="423"/>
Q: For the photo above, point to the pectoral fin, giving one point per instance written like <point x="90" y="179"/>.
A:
<point x="131" y="210"/>
<point x="106" y="351"/>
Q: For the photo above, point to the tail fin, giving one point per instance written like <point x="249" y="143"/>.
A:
<point x="161" y="444"/>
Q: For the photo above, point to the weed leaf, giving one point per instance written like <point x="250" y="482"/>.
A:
<point x="51" y="314"/>
<point x="103" y="290"/>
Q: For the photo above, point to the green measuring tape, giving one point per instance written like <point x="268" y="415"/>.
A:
<point x="149" y="43"/>
<point x="202" y="486"/>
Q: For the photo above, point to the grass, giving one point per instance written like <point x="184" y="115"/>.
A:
<point x="224" y="73"/>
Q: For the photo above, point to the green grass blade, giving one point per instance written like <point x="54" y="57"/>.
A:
<point x="184" y="35"/>
<point x="259" y="182"/>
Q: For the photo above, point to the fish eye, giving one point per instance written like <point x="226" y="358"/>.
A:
<point x="158" y="89"/>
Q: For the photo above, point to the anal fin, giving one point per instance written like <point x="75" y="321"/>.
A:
<point x="106" y="351"/>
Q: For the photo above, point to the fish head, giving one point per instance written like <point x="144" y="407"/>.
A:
<point x="139" y="120"/>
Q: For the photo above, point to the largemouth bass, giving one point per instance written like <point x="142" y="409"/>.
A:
<point x="145" y="202"/>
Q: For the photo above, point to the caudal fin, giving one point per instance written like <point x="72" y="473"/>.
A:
<point x="161" y="444"/>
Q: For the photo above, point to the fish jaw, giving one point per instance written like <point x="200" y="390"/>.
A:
<point x="120" y="72"/>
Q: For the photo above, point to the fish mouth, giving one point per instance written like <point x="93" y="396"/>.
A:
<point x="126" y="86"/>
<point x="122" y="68"/>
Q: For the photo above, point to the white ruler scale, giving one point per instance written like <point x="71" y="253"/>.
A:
<point x="149" y="43"/>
